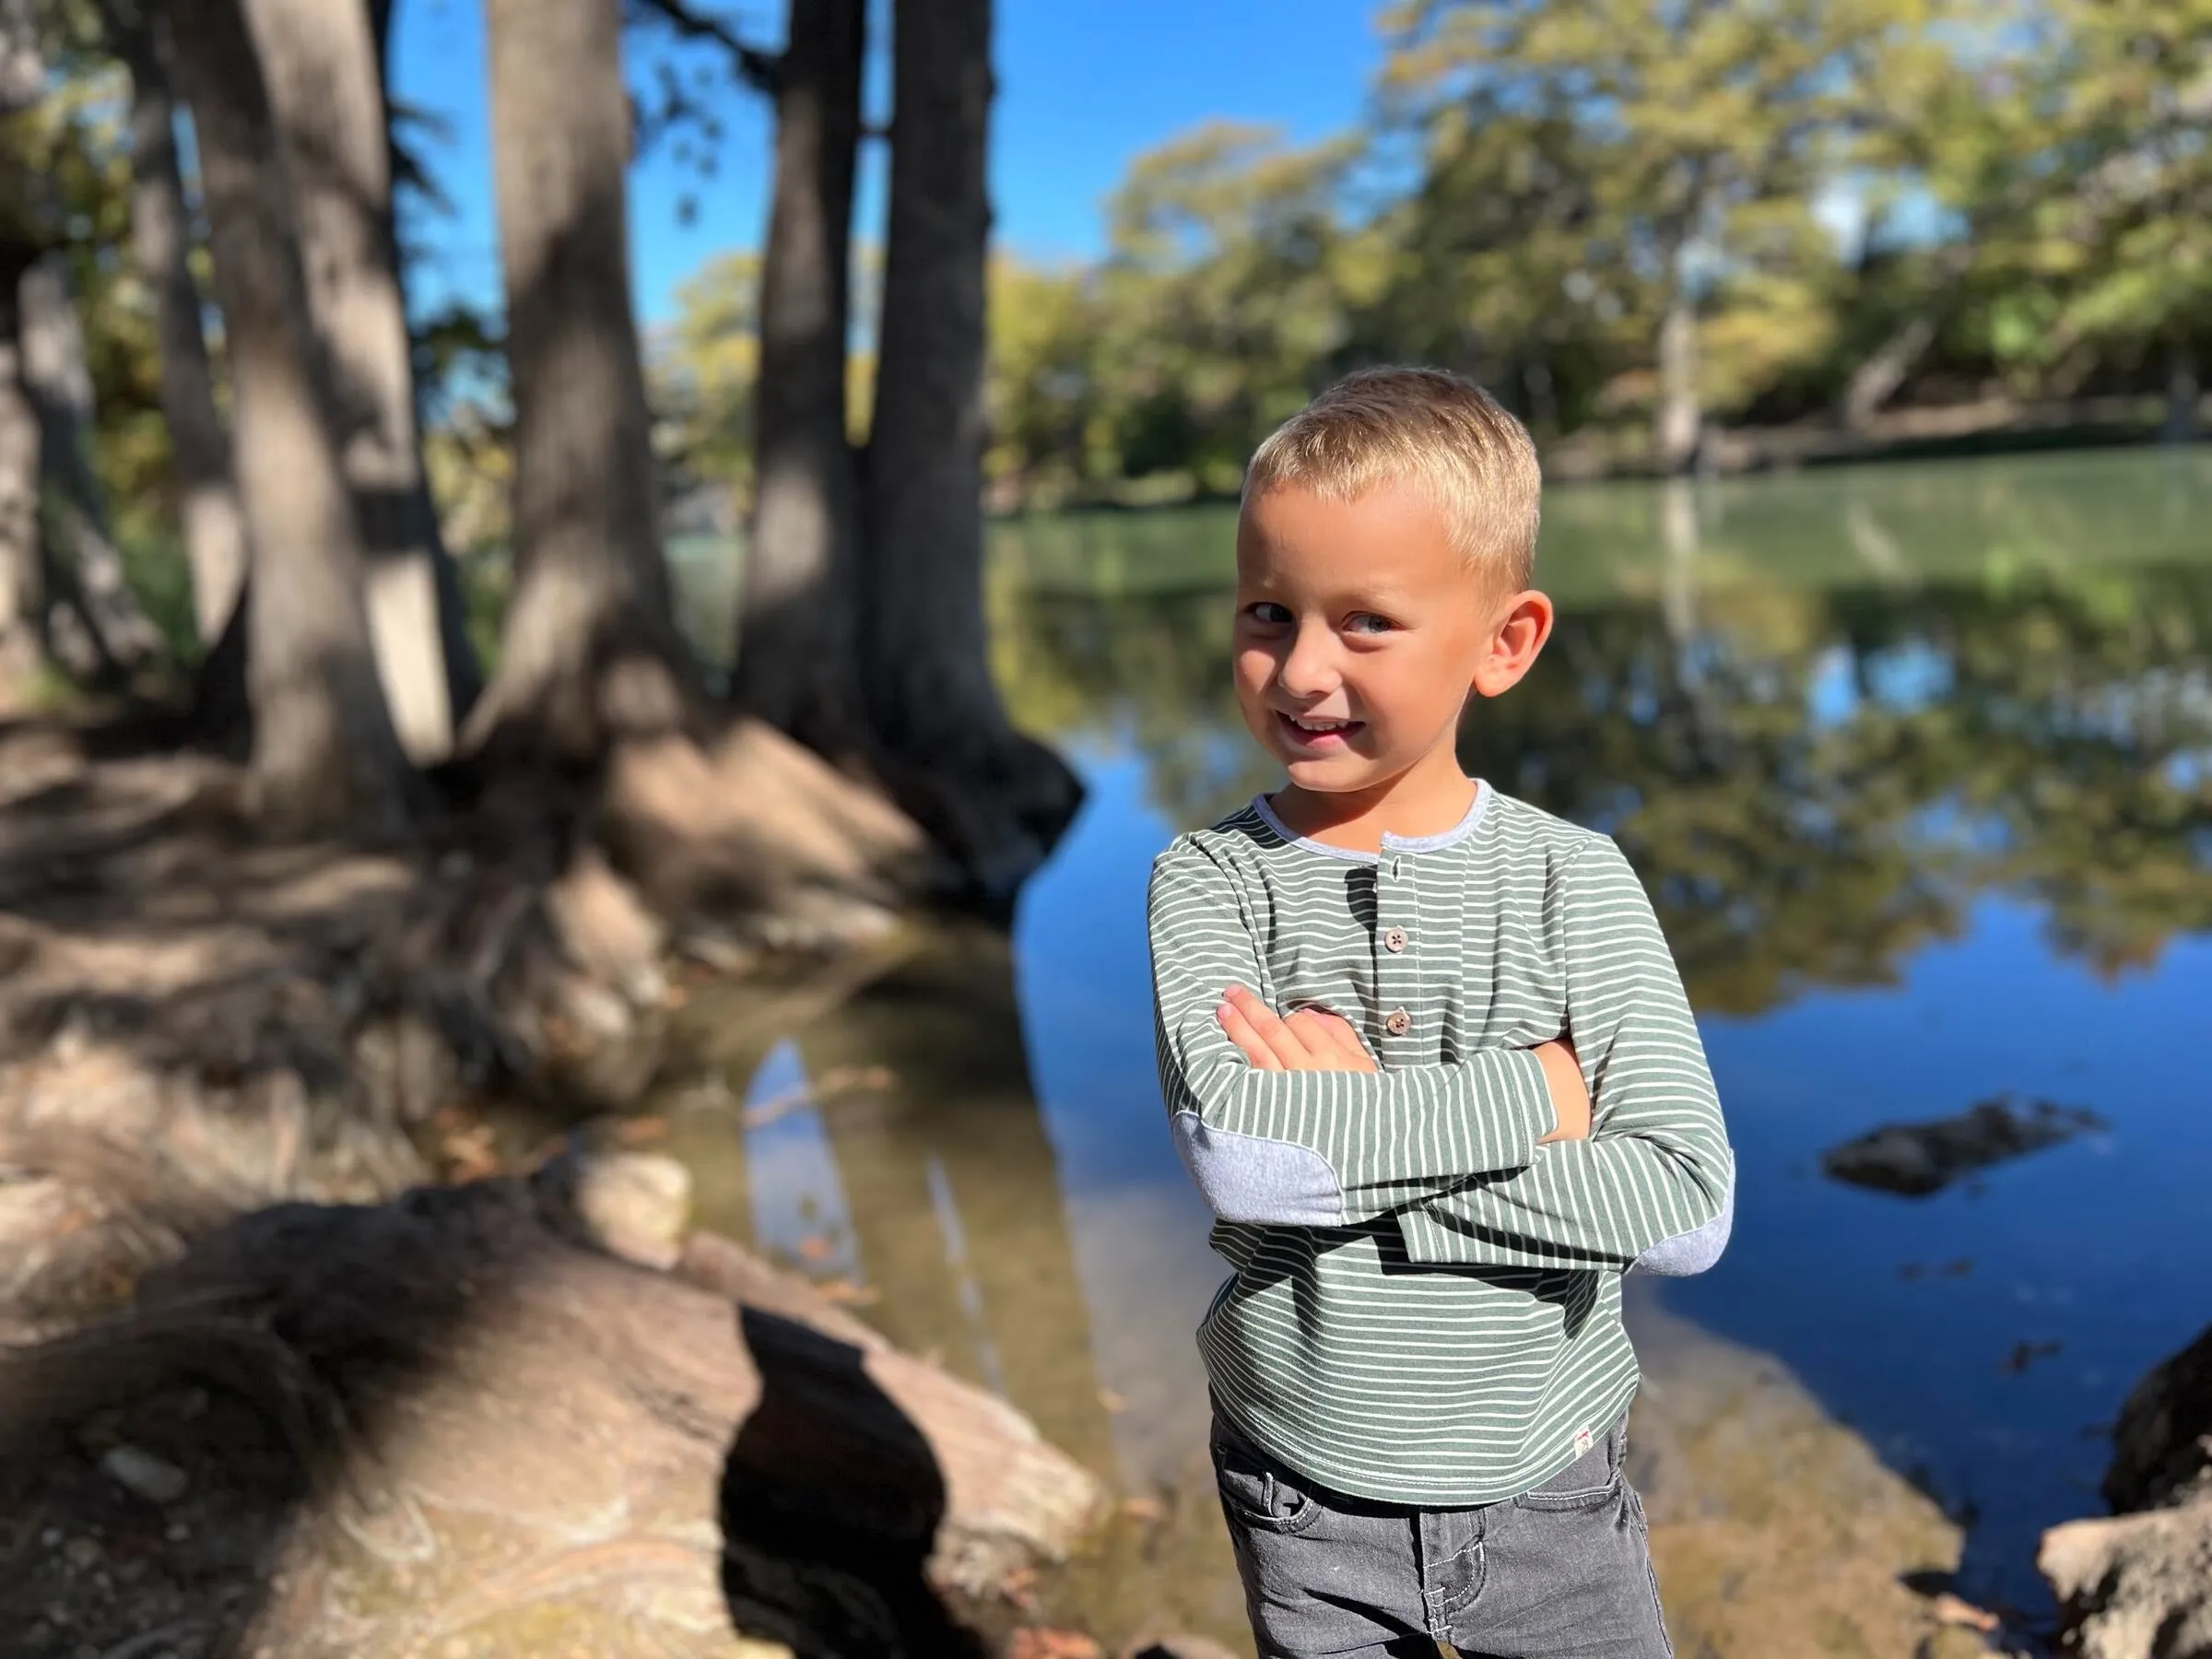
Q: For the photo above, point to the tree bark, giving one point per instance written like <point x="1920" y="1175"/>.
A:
<point x="214" y="522"/>
<point x="994" y="798"/>
<point x="1678" y="427"/>
<point x="798" y="664"/>
<point x="22" y="570"/>
<point x="322" y="62"/>
<point x="325" y="756"/>
<point x="22" y="586"/>
<point x="589" y="652"/>
<point x="61" y="389"/>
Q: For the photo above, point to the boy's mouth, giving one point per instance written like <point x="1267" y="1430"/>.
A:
<point x="1316" y="735"/>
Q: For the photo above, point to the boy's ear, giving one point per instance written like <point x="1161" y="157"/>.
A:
<point x="1523" y="627"/>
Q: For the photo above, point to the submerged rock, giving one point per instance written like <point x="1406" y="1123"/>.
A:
<point x="1916" y="1159"/>
<point x="2138" y="1585"/>
<point x="152" y="1478"/>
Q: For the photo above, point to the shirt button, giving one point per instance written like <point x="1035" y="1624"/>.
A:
<point x="1397" y="1022"/>
<point x="1394" y="939"/>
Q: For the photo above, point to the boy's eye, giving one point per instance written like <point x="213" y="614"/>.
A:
<point x="1367" y="622"/>
<point x="1268" y="614"/>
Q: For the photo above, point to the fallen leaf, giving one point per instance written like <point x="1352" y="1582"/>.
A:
<point x="1034" y="1642"/>
<point x="1016" y="1585"/>
<point x="1112" y="1402"/>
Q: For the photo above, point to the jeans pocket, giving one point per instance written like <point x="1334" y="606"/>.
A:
<point x="1260" y="1494"/>
<point x="1591" y="1482"/>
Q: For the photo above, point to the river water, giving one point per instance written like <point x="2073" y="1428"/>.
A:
<point x="1917" y="762"/>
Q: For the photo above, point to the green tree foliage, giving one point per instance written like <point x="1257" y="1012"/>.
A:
<point x="1851" y="203"/>
<point x="74" y="144"/>
<point x="702" y="368"/>
<point x="2125" y="243"/>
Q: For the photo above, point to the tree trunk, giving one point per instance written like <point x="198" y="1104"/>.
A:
<point x="994" y="798"/>
<point x="22" y="587"/>
<point x="61" y="389"/>
<point x="2181" y="395"/>
<point x="464" y="670"/>
<point x="106" y="629"/>
<point x="214" y="522"/>
<point x="321" y="61"/>
<point x="589" y="652"/>
<point x="22" y="584"/>
<point x="798" y="664"/>
<point x="325" y="756"/>
<point x="1679" y="426"/>
<point x="1875" y="382"/>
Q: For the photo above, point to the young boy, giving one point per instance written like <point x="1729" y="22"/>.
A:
<point x="1427" y="1056"/>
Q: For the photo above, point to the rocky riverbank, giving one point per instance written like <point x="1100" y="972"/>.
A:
<point x="278" y="1377"/>
<point x="2138" y="1584"/>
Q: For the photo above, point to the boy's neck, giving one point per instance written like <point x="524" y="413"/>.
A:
<point x="1422" y="801"/>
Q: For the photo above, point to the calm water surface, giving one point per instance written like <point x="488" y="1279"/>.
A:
<point x="1917" y="763"/>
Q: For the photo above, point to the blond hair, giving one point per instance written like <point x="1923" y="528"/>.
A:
<point x="1445" y="437"/>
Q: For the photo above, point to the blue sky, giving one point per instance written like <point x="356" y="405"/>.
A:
<point x="1084" y="85"/>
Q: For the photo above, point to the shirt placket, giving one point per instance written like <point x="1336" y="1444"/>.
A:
<point x="1395" y="945"/>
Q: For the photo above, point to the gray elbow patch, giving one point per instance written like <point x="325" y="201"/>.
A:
<point x="1695" y="1251"/>
<point x="1251" y="1178"/>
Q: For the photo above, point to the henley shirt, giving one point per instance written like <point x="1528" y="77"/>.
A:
<point x="1425" y="1306"/>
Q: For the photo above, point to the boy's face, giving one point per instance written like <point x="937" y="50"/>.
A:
<point x="1361" y="631"/>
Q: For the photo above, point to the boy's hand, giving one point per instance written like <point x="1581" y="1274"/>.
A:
<point x="1570" y="1094"/>
<point x="1310" y="1040"/>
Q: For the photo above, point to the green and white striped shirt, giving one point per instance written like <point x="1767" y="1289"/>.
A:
<point x="1426" y="1303"/>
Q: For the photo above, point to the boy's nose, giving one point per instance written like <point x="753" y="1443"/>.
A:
<point x="1309" y="668"/>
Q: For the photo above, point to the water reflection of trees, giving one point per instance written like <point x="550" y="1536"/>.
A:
<point x="1813" y="782"/>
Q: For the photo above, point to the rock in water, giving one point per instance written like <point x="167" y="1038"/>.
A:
<point x="634" y="1204"/>
<point x="2162" y="1444"/>
<point x="1916" y="1159"/>
<point x="144" y="1473"/>
<point x="2138" y="1585"/>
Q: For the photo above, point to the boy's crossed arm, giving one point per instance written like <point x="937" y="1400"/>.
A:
<point x="1312" y="1146"/>
<point x="1288" y="1120"/>
<point x="1654" y="1186"/>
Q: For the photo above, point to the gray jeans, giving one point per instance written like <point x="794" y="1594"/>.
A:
<point x="1556" y="1572"/>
